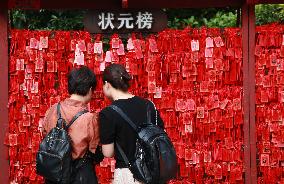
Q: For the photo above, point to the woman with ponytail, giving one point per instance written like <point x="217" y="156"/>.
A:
<point x="114" y="129"/>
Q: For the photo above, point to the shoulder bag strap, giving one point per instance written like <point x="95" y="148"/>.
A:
<point x="128" y="120"/>
<point x="124" y="116"/>
<point x="124" y="157"/>
<point x="76" y="117"/>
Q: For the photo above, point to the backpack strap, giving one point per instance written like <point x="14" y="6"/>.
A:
<point x="128" y="120"/>
<point x="124" y="157"/>
<point x="76" y="117"/>
<point x="124" y="116"/>
<point x="60" y="121"/>
<point x="58" y="111"/>
<point x="156" y="112"/>
<point x="73" y="119"/>
<point x="149" y="119"/>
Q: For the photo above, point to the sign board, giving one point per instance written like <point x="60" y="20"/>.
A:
<point x="125" y="21"/>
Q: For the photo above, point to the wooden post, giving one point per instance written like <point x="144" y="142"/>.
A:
<point x="248" y="36"/>
<point x="251" y="49"/>
<point x="245" y="42"/>
<point x="4" y="164"/>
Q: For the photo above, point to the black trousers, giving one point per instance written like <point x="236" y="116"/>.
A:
<point x="84" y="175"/>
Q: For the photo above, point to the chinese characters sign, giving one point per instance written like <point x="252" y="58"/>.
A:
<point x="109" y="21"/>
<point x="126" y="20"/>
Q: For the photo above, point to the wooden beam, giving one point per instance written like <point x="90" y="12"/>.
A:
<point x="4" y="164"/>
<point x="185" y="3"/>
<point x="137" y="4"/>
<point x="269" y="1"/>
<point x="245" y="42"/>
<point x="82" y="4"/>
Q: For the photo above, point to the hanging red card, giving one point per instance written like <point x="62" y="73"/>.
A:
<point x="186" y="67"/>
<point x="153" y="45"/>
<point x="130" y="45"/>
<point x="264" y="96"/>
<point x="98" y="48"/>
<point x="194" y="45"/>
<point x="276" y="115"/>
<point x="200" y="112"/>
<point x="114" y="57"/>
<point x="52" y="44"/>
<point x="194" y="57"/>
<point x="266" y="81"/>
<point x="102" y="66"/>
<point x="183" y="171"/>
<point x="204" y="86"/>
<point x="90" y="48"/>
<point x="208" y="52"/>
<point x="82" y="45"/>
<point x="158" y="93"/>
<point x="190" y="105"/>
<point x="282" y="51"/>
<point x="237" y="104"/>
<point x="238" y="53"/>
<point x="273" y="60"/>
<point x="209" y="42"/>
<point x="13" y="139"/>
<point x="50" y="66"/>
<point x="218" y="41"/>
<point x="264" y="160"/>
<point x="151" y="82"/>
<point x="73" y="43"/>
<point x="115" y="43"/>
<point x="61" y="43"/>
<point x="120" y="50"/>
<point x="108" y="57"/>
<point x="33" y="175"/>
<point x="20" y="64"/>
<point x="150" y="66"/>
<point x="218" y="172"/>
<point x="266" y="147"/>
<point x="138" y="49"/>
<point x="39" y="65"/>
<point x="188" y="128"/>
<point x="79" y="58"/>
<point x="26" y="157"/>
<point x="207" y="156"/>
<point x="209" y="63"/>
<point x="34" y="43"/>
<point x="174" y="78"/>
<point x="230" y="52"/>
<point x="258" y="50"/>
<point x="35" y="101"/>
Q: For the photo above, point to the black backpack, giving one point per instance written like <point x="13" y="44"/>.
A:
<point x="54" y="159"/>
<point x="155" y="157"/>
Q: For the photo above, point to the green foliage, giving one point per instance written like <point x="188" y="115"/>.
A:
<point x="47" y="19"/>
<point x="222" y="19"/>
<point x="267" y="13"/>
<point x="211" y="17"/>
<point x="177" y="18"/>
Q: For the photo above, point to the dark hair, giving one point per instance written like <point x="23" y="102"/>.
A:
<point x="80" y="80"/>
<point x="117" y="76"/>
